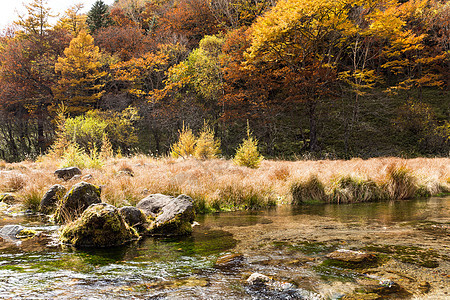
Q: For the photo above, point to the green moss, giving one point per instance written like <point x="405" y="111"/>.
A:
<point x="26" y="233"/>
<point x="307" y="247"/>
<point x="408" y="254"/>
<point x="177" y="226"/>
<point x="99" y="226"/>
<point x="76" y="201"/>
<point x="366" y="264"/>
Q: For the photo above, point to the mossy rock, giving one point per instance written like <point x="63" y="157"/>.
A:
<point x="51" y="198"/>
<point x="26" y="233"/>
<point x="134" y="217"/>
<point x="8" y="198"/>
<point x="101" y="225"/>
<point x="172" y="216"/>
<point x="76" y="201"/>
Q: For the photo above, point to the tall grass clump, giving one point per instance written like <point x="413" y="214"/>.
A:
<point x="400" y="184"/>
<point x="350" y="189"/>
<point x="31" y="198"/>
<point x="13" y="183"/>
<point x="235" y="196"/>
<point x="311" y="190"/>
<point x="247" y="153"/>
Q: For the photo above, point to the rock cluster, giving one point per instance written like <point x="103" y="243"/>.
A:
<point x="87" y="222"/>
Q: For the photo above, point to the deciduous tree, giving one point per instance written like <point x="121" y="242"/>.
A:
<point x="81" y="82"/>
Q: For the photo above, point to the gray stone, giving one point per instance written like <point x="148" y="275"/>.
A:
<point x="50" y="200"/>
<point x="76" y="201"/>
<point x="173" y="216"/>
<point x="258" y="279"/>
<point x="133" y="216"/>
<point x="67" y="173"/>
<point x="75" y="178"/>
<point x="100" y="225"/>
<point x="87" y="177"/>
<point x="11" y="230"/>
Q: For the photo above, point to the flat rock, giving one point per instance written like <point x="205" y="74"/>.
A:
<point x="351" y="256"/>
<point x="67" y="173"/>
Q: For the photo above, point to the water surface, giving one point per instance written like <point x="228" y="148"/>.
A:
<point x="273" y="242"/>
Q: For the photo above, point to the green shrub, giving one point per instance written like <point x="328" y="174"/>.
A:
<point x="311" y="190"/>
<point x="247" y="154"/>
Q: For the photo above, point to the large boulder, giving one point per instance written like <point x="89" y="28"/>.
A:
<point x="101" y="225"/>
<point x="134" y="217"/>
<point x="172" y="216"/>
<point x="76" y="201"/>
<point x="67" y="173"/>
<point x="50" y="200"/>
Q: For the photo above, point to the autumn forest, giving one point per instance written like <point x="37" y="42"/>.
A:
<point x="307" y="78"/>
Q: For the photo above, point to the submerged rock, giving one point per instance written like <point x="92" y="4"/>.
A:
<point x="259" y="279"/>
<point x="101" y="225"/>
<point x="134" y="217"/>
<point x="14" y="232"/>
<point x="173" y="216"/>
<point x="67" y="173"/>
<point x="350" y="256"/>
<point x="50" y="200"/>
<point x="229" y="260"/>
<point x="261" y="286"/>
<point x="76" y="201"/>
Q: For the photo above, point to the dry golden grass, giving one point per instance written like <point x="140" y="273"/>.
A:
<point x="219" y="184"/>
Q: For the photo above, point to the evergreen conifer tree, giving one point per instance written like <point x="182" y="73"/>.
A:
<point x="98" y="16"/>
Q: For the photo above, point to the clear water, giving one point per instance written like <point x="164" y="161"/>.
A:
<point x="184" y="268"/>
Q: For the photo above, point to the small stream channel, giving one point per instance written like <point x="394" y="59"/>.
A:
<point x="288" y="244"/>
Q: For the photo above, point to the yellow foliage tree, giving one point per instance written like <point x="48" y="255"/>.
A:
<point x="81" y="82"/>
<point x="207" y="146"/>
<point x="72" y="20"/>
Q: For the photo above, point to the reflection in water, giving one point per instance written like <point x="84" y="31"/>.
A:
<point x="170" y="267"/>
<point x="381" y="212"/>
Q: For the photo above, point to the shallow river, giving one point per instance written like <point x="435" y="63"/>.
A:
<point x="288" y="244"/>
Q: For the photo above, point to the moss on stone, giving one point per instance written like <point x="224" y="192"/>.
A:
<point x="100" y="225"/>
<point x="408" y="254"/>
<point x="76" y="201"/>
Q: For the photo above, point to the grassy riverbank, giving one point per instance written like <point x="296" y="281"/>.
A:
<point x="220" y="185"/>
